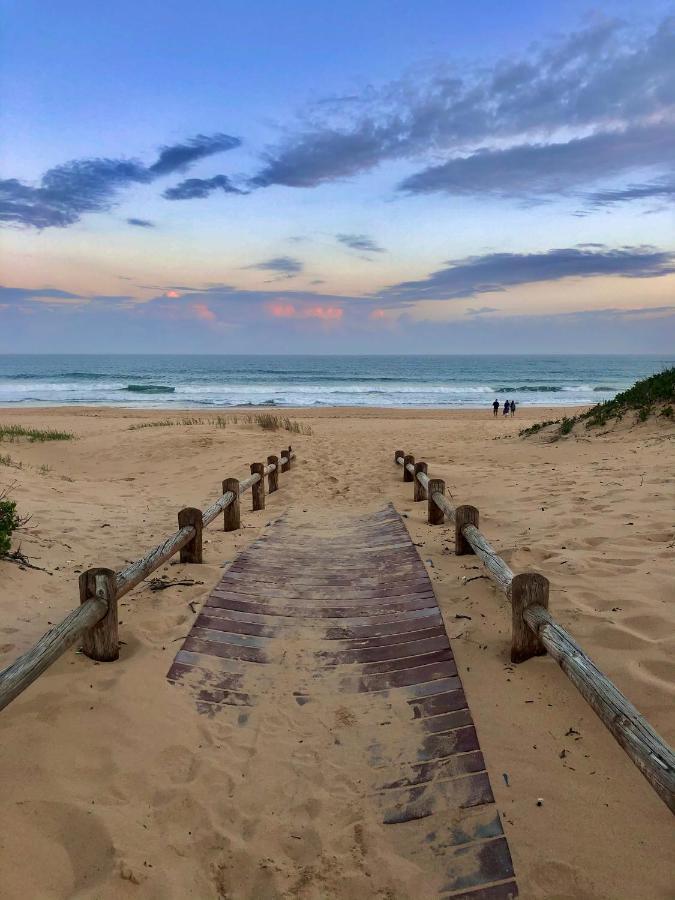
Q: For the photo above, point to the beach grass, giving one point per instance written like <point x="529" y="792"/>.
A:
<point x="266" y="421"/>
<point x="34" y="435"/>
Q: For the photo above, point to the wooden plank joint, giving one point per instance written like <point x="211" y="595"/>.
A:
<point x="258" y="489"/>
<point x="231" y="513"/>
<point x="101" y="641"/>
<point x="273" y="476"/>
<point x="464" y="515"/>
<point x="435" y="514"/>
<point x="192" y="551"/>
<point x="527" y="589"/>
<point x="419" y="491"/>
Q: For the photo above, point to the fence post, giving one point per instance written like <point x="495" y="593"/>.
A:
<point x="286" y="465"/>
<point x="435" y="513"/>
<point x="290" y="451"/>
<point x="231" y="513"/>
<point x="258" y="489"/>
<point x="464" y="515"/>
<point x="408" y="458"/>
<point x="397" y="455"/>
<point x="273" y="477"/>
<point x="527" y="589"/>
<point x="101" y="641"/>
<point x="419" y="491"/>
<point x="192" y="551"/>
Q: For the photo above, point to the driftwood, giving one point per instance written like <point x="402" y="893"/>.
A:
<point x="650" y="753"/>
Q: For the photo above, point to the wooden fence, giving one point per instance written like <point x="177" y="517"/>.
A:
<point x="535" y="632"/>
<point x="95" y="621"/>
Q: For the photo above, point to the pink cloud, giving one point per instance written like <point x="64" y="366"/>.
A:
<point x="377" y="314"/>
<point x="172" y="294"/>
<point x="203" y="312"/>
<point x="327" y="313"/>
<point x="282" y="310"/>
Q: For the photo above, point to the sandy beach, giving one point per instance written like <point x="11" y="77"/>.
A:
<point x="115" y="787"/>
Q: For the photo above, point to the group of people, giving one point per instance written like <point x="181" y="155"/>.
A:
<point x="509" y="407"/>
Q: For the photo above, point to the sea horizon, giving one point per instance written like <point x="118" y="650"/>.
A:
<point x="208" y="381"/>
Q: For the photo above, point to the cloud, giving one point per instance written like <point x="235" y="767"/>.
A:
<point x="177" y="157"/>
<point x="663" y="189"/>
<point x="493" y="272"/>
<point x="68" y="191"/>
<point x="193" y="188"/>
<point x="203" y="312"/>
<point x="282" y="310"/>
<point x="481" y="310"/>
<point x="18" y="295"/>
<point x="283" y="265"/>
<point x="600" y="85"/>
<point x="141" y="223"/>
<point x="547" y="168"/>
<point x="360" y="242"/>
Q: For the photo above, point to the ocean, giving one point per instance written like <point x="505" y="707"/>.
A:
<point x="177" y="382"/>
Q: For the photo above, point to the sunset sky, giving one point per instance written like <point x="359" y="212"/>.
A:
<point x="371" y="176"/>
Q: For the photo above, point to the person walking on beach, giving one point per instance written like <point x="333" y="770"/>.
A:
<point x="513" y="408"/>
<point x="506" y="409"/>
<point x="495" y="407"/>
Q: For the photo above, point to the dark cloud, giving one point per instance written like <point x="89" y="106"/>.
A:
<point x="177" y="157"/>
<point x="67" y="191"/>
<point x="607" y="79"/>
<point x="547" y="168"/>
<point x="360" y="242"/>
<point x="657" y="190"/>
<point x="193" y="188"/>
<point x="18" y="295"/>
<point x="283" y="265"/>
<point x="81" y="186"/>
<point x="476" y="275"/>
<point x="141" y="223"/>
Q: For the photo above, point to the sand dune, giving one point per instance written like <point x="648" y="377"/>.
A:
<point x="114" y="786"/>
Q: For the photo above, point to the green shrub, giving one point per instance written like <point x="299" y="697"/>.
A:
<point x="567" y="425"/>
<point x="656" y="389"/>
<point x="9" y="521"/>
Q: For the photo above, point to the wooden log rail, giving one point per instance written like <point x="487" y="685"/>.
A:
<point x="95" y="621"/>
<point x="535" y="632"/>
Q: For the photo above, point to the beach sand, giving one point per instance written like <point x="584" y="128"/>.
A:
<point x="113" y="785"/>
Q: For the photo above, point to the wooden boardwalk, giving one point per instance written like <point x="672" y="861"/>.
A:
<point x="345" y="616"/>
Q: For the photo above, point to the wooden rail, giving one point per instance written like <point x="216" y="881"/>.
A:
<point x="535" y="632"/>
<point x="95" y="620"/>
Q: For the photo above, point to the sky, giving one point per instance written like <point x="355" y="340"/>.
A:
<point x="356" y="177"/>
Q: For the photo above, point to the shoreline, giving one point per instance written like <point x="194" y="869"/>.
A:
<point x="281" y="410"/>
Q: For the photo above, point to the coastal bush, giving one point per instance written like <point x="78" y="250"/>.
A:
<point x="9" y="521"/>
<point x="567" y="425"/>
<point x="533" y="429"/>
<point x="15" y="432"/>
<point x="644" y="399"/>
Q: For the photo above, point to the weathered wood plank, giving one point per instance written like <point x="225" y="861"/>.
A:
<point x="23" y="671"/>
<point x="650" y="753"/>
